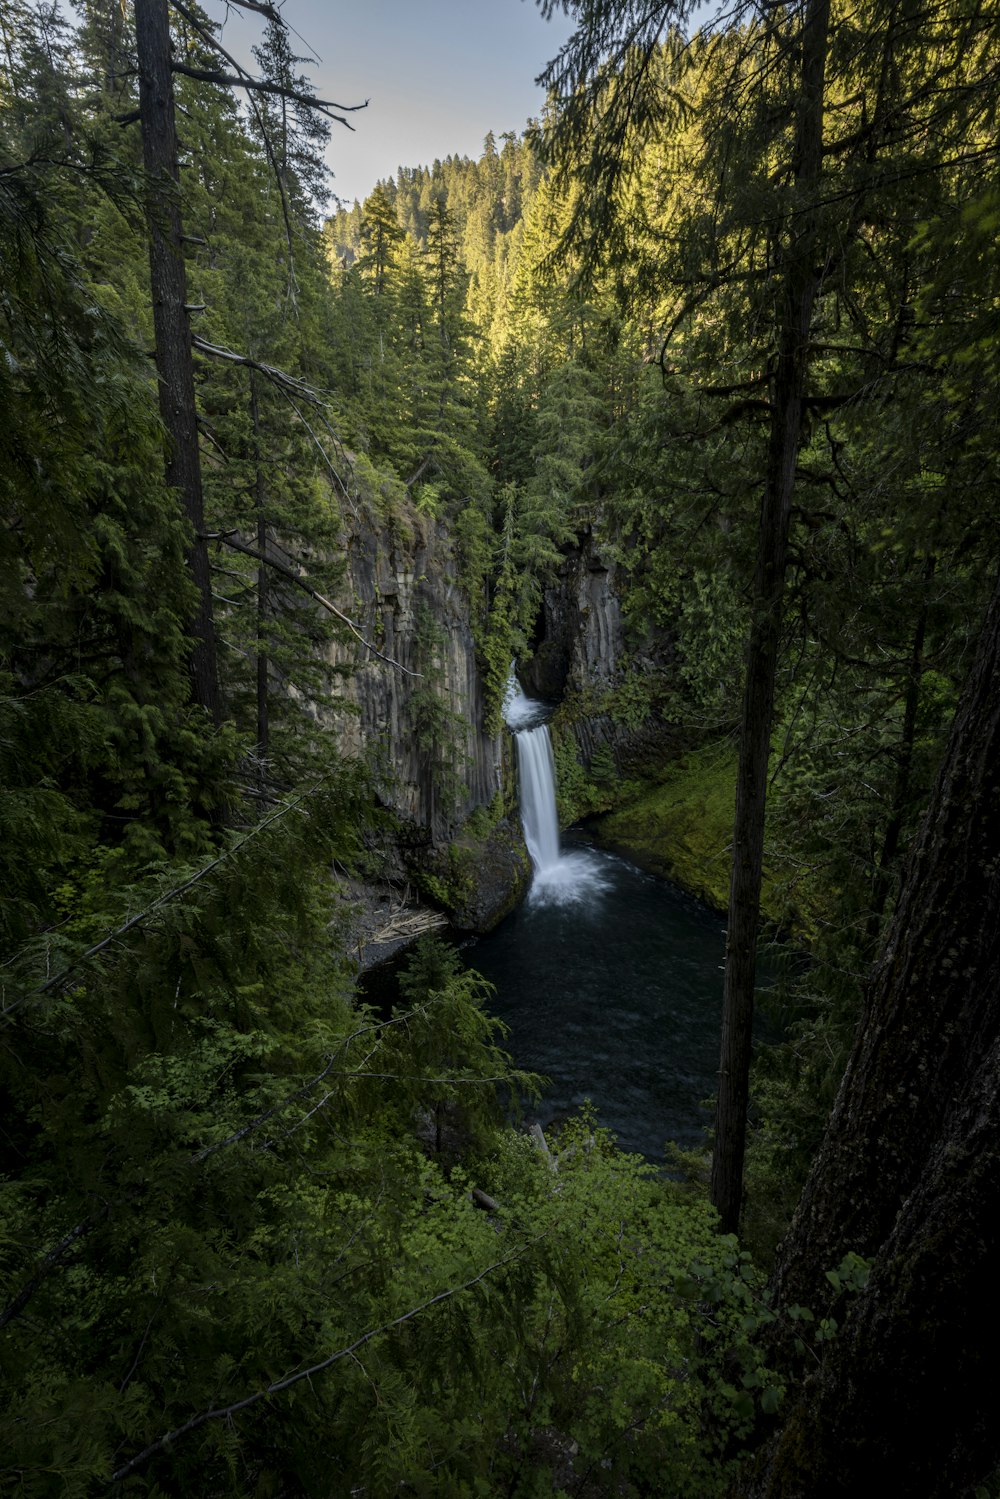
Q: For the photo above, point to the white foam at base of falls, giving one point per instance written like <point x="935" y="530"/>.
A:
<point x="575" y="878"/>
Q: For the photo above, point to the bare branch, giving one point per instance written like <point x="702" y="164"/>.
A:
<point x="49" y="1261"/>
<point x="269" y="371"/>
<point x="278" y="1385"/>
<point x="59" y="979"/>
<point x="213" y="42"/>
<point x="419" y="472"/>
<point x="289" y="385"/>
<point x="322" y="450"/>
<point x="263" y="10"/>
<point x="244" y="80"/>
<point x="229" y="539"/>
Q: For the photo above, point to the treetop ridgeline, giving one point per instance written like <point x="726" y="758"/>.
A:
<point x="719" y="334"/>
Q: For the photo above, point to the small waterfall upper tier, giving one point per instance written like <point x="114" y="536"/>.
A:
<point x="520" y="712"/>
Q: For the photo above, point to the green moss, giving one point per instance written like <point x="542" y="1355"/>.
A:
<point x="481" y="875"/>
<point x="482" y="820"/>
<point x="446" y="876"/>
<point x="581" y="792"/>
<point x="683" y="826"/>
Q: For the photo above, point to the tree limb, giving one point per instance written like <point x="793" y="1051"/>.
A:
<point x="278" y="1385"/>
<point x="244" y="80"/>
<point x="269" y="371"/>
<point x="229" y="539"/>
<point x="288" y="385"/>
<point x="59" y="978"/>
<point x="263" y="10"/>
<point x="419" y="472"/>
<point x="48" y="1262"/>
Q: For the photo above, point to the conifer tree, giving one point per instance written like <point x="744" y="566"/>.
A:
<point x="172" y="327"/>
<point x="791" y="164"/>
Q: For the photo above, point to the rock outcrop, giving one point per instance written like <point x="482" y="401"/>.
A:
<point x="580" y="640"/>
<point x="421" y="720"/>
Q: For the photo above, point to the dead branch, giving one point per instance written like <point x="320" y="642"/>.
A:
<point x="335" y="476"/>
<point x="277" y="1386"/>
<point x="213" y="42"/>
<point x="270" y="372"/>
<point x="230" y="539"/>
<point x="59" y="979"/>
<point x="258" y="85"/>
<point x="264" y="10"/>
<point x="49" y="1260"/>
<point x="287" y="384"/>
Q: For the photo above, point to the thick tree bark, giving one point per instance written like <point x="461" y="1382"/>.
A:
<point x="931" y="1011"/>
<point x="172" y="328"/>
<point x="909" y="1170"/>
<point x="905" y="1402"/>
<point x="800" y="283"/>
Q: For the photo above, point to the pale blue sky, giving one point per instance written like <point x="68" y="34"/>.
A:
<point x="439" y="75"/>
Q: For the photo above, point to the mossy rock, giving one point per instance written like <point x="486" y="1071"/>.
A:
<point x="683" y="828"/>
<point x="478" y="879"/>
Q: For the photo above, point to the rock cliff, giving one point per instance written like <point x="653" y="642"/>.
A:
<point x="582" y="661"/>
<point x="423" y="720"/>
<point x="580" y="641"/>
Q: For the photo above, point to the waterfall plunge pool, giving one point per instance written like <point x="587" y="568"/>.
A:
<point x="610" y="980"/>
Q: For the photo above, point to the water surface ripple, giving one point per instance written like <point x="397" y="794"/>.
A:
<point x="610" y="980"/>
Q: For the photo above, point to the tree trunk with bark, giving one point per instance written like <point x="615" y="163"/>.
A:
<point x="908" y="1174"/>
<point x="801" y="279"/>
<point x="172" y="328"/>
<point x="901" y="790"/>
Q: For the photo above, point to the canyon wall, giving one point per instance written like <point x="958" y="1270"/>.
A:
<point x="422" y="720"/>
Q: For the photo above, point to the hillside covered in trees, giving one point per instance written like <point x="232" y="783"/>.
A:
<point x="285" y="488"/>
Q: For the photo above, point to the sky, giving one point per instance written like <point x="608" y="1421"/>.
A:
<point x="438" y="74"/>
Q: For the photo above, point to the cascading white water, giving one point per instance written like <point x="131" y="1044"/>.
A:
<point x="557" y="876"/>
<point x="537" y="769"/>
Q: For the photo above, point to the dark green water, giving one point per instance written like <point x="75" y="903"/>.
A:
<point x="611" y="983"/>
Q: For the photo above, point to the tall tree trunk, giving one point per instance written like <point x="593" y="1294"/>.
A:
<point x="800" y="282"/>
<point x="260" y="508"/>
<point x="909" y="1169"/>
<point x="931" y="1006"/>
<point x="172" y="329"/>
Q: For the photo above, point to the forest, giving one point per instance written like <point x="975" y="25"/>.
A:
<point x="286" y="486"/>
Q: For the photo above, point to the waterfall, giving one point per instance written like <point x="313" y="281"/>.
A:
<point x="537" y="770"/>
<point x="557" y="876"/>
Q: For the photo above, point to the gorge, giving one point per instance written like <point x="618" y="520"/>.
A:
<point x="684" y="399"/>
